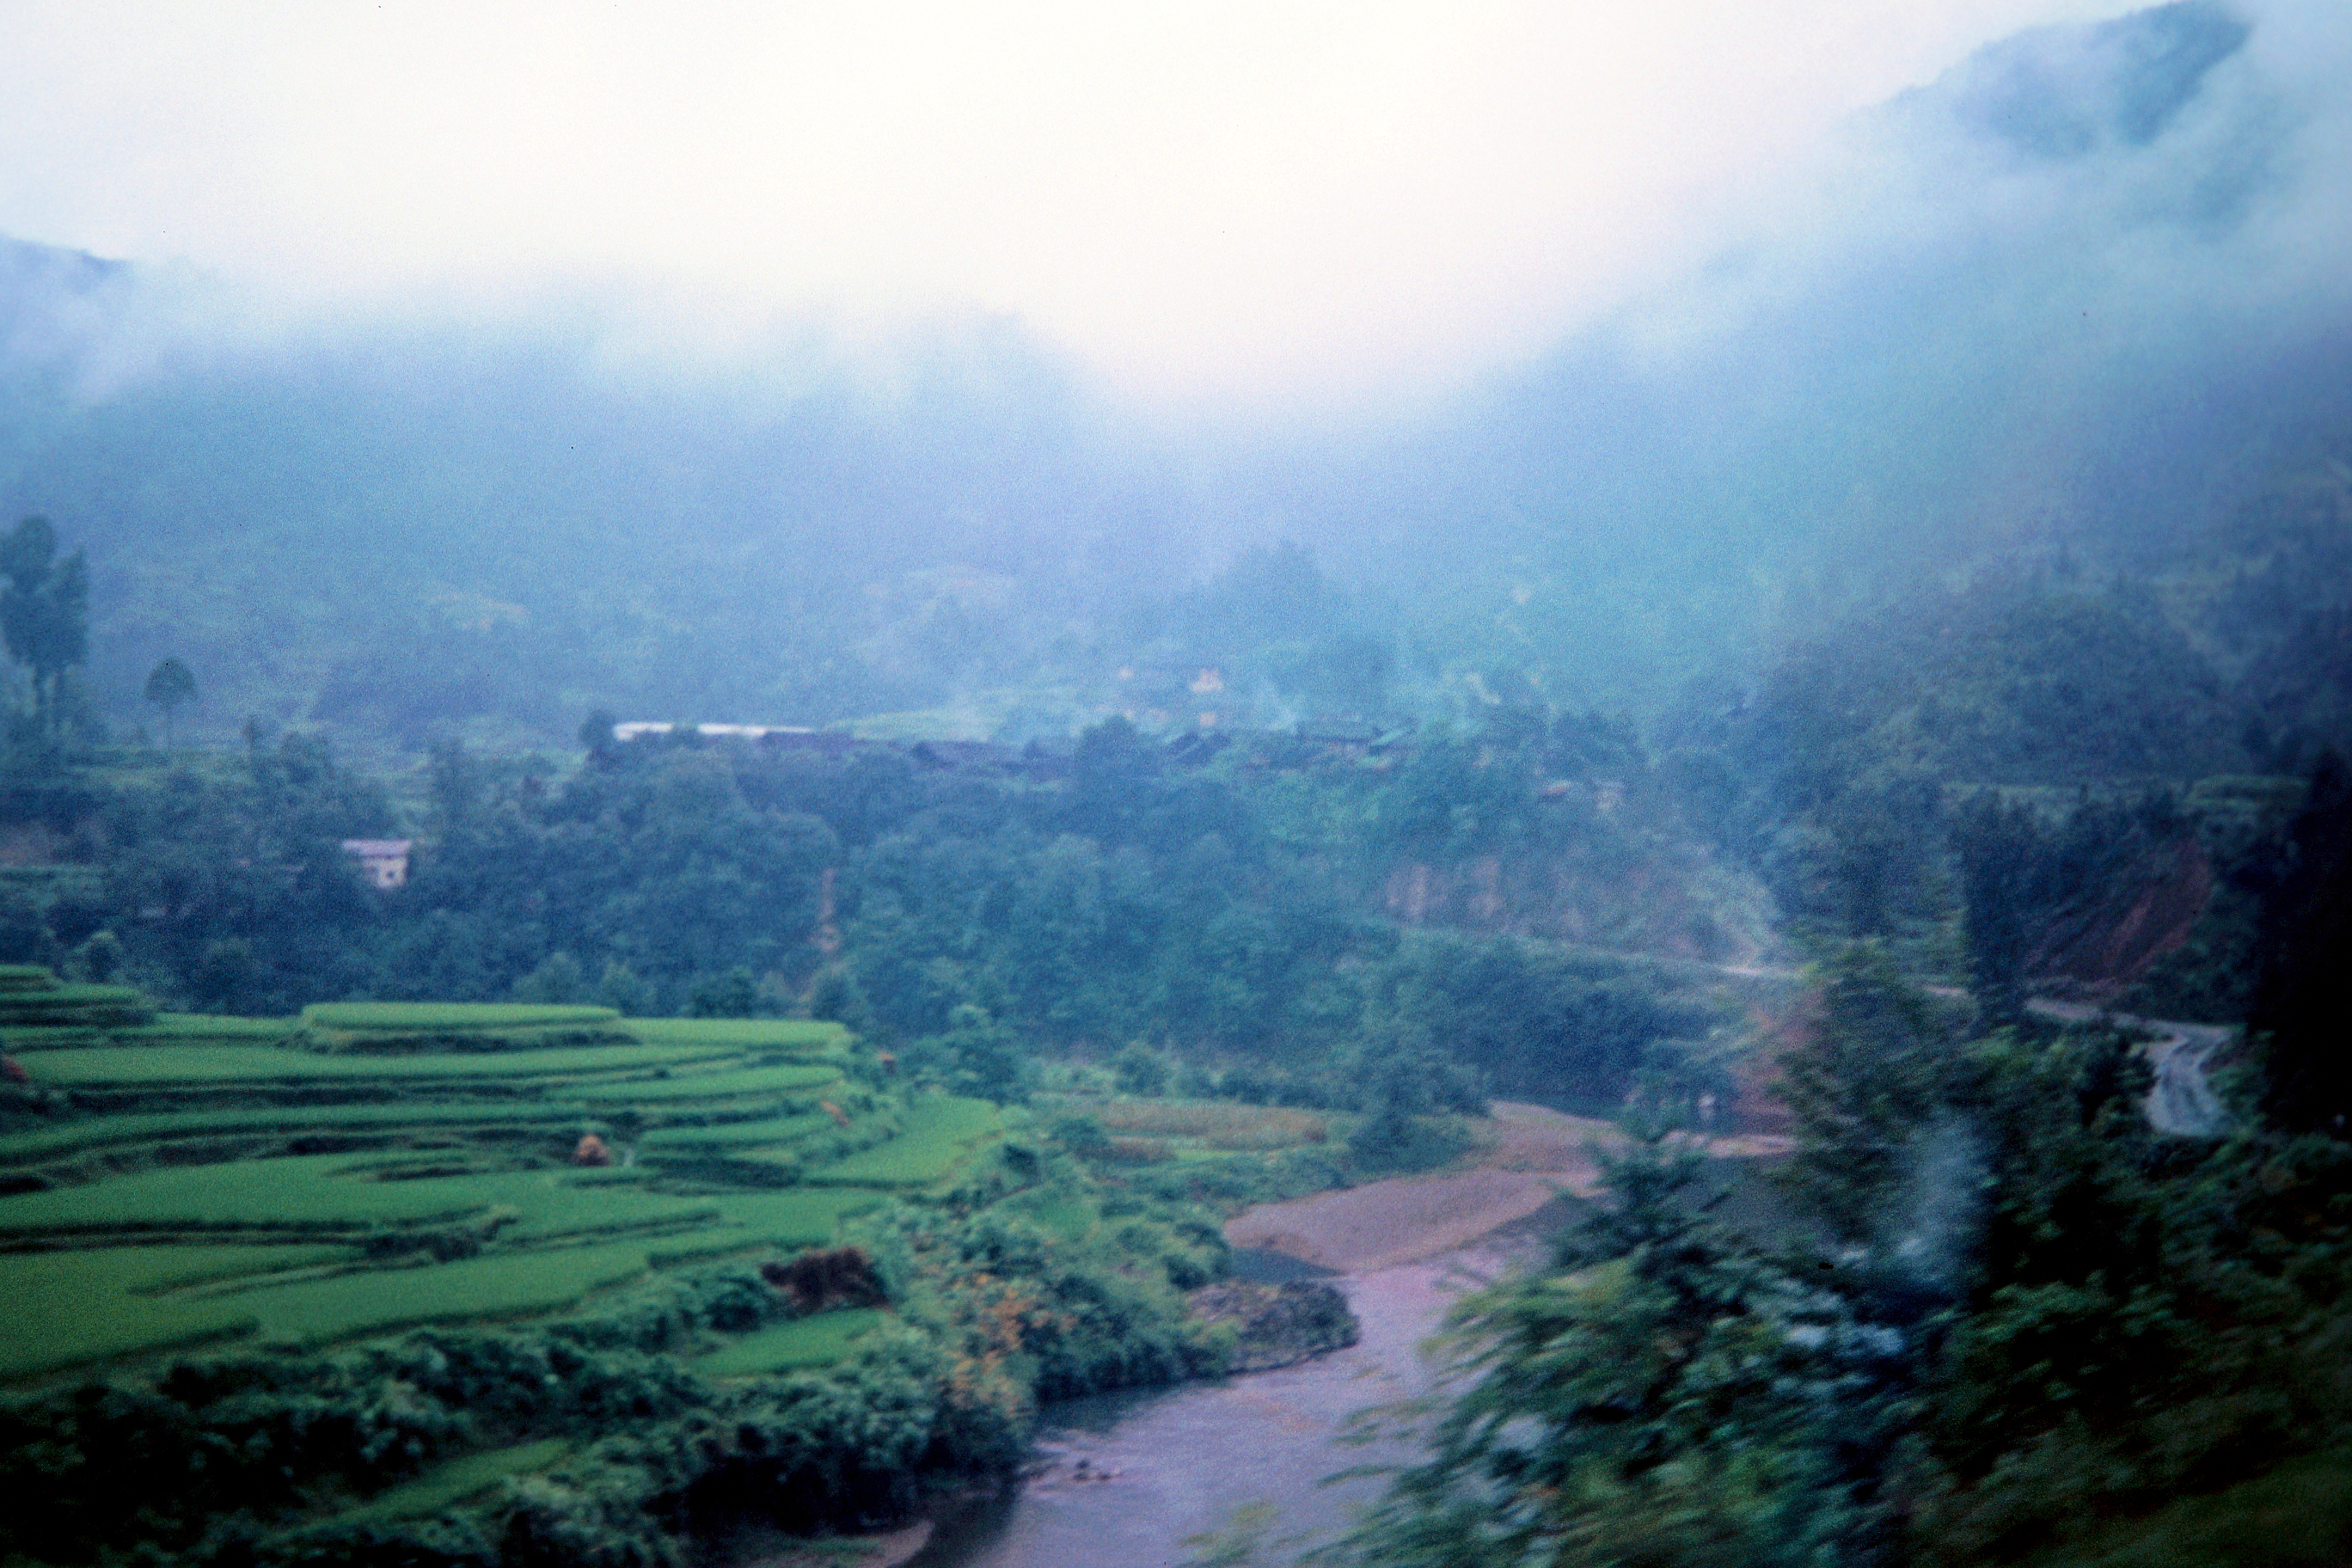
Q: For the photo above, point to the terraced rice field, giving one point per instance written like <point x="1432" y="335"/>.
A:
<point x="941" y="1132"/>
<point x="790" y="1078"/>
<point x="400" y="1028"/>
<point x="455" y="1481"/>
<point x="168" y="1028"/>
<point x="33" y="998"/>
<point x="173" y="1026"/>
<point x="376" y="1300"/>
<point x="73" y="1307"/>
<point x="431" y="1018"/>
<point x="109" y="1132"/>
<point x="106" y="1067"/>
<point x="768" y="1131"/>
<point x="166" y="1182"/>
<point x="806" y="1341"/>
<point x="805" y="1036"/>
<point x="793" y="1219"/>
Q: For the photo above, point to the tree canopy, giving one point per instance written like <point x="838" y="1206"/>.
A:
<point x="168" y="686"/>
<point x="44" y="610"/>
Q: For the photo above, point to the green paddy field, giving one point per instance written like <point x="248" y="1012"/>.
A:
<point x="169" y="1181"/>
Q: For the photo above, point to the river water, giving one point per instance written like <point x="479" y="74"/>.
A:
<point x="1186" y="1460"/>
<point x="1124" y="1479"/>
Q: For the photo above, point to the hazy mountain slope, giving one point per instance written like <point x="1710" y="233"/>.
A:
<point x="1965" y="347"/>
<point x="393" y="531"/>
<point x="2082" y="294"/>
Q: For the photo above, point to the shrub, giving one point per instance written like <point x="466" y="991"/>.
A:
<point x="733" y="995"/>
<point x="559" y="978"/>
<point x="941" y="1132"/>
<point x="1139" y="1069"/>
<point x="409" y="1017"/>
<point x="1079" y="1134"/>
<point x="815" y="1281"/>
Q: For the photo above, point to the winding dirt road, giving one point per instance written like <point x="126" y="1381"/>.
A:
<point x="2182" y="1102"/>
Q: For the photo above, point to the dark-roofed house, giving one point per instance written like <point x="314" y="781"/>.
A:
<point x="990" y="758"/>
<point x="816" y="743"/>
<point x="1049" y="757"/>
<point x="1192" y="749"/>
<point x="384" y="861"/>
<point x="1341" y="737"/>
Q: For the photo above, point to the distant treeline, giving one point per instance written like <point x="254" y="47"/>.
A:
<point x="2041" y="732"/>
<point x="1227" y="915"/>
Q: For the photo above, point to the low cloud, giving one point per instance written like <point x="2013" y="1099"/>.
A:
<point x="1272" y="206"/>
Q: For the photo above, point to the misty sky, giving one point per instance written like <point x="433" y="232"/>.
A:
<point x="1246" y="201"/>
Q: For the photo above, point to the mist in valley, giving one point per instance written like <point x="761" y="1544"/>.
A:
<point x="1062" y="646"/>
<point x="2073" y="295"/>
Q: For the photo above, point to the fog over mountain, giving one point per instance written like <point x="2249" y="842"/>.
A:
<point x="2081" y="294"/>
<point x="748" y="753"/>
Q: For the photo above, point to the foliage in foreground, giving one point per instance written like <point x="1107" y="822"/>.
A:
<point x="638" y="1441"/>
<point x="1664" y="1393"/>
<point x="2038" y="1317"/>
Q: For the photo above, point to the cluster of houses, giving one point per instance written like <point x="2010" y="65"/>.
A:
<point x="994" y="759"/>
<point x="384" y="861"/>
<point x="1043" y="759"/>
<point x="1190" y="703"/>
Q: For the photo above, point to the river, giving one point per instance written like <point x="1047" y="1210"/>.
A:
<point x="1190" y="1460"/>
<point x="1124" y="1479"/>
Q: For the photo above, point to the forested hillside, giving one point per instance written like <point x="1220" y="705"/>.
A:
<point x="611" y="944"/>
<point x="397" y="531"/>
<point x="1242" y="913"/>
<point x="2029" y="1327"/>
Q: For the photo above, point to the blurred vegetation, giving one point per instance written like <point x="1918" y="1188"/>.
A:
<point x="2034" y="1325"/>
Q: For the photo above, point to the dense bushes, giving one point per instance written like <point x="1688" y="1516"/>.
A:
<point x="2038" y="1314"/>
<point x="1664" y="1394"/>
<point x="1833" y="776"/>
<point x="247" y="1458"/>
<point x="1522" y="1020"/>
<point x="1219" y="912"/>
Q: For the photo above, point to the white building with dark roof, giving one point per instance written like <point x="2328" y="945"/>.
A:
<point x="383" y="861"/>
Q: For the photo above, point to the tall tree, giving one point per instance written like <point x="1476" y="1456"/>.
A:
<point x="1999" y="847"/>
<point x="170" y="685"/>
<point x="2299" y="1013"/>
<point x="44" y="611"/>
<point x="1664" y="1395"/>
<point x="1878" y="1066"/>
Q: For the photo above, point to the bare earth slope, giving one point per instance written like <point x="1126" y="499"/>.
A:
<point x="1533" y="1155"/>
